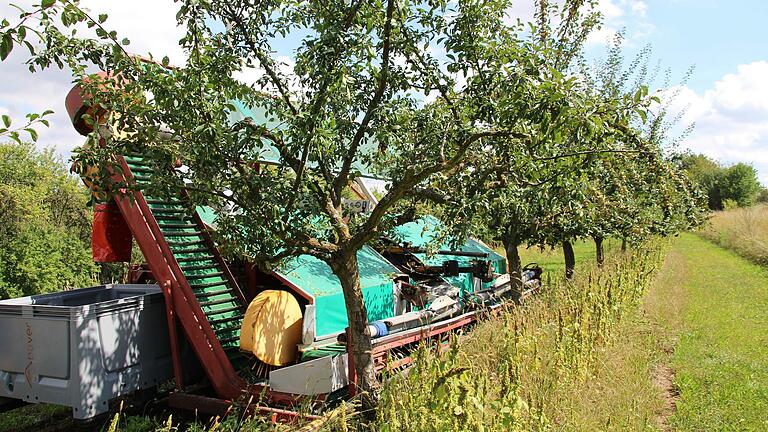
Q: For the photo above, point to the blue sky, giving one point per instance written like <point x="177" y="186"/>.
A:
<point x="715" y="36"/>
<point x="727" y="41"/>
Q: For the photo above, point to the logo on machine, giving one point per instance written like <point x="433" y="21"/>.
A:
<point x="357" y="206"/>
<point x="30" y="355"/>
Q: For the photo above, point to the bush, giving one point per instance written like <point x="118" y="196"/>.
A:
<point x="44" y="224"/>
<point x="735" y="185"/>
<point x="762" y="197"/>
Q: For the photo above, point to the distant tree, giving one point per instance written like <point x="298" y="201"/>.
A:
<point x="762" y="197"/>
<point x="735" y="183"/>
<point x="699" y="167"/>
<point x="739" y="183"/>
<point x="44" y="224"/>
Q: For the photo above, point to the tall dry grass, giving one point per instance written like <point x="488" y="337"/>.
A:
<point x="743" y="230"/>
<point x="526" y="369"/>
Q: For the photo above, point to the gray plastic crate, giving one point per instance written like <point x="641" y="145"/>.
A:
<point x="84" y="347"/>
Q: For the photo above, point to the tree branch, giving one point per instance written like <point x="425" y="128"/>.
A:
<point x="587" y="152"/>
<point x="343" y="177"/>
<point x="265" y="62"/>
<point x="410" y="179"/>
<point x="429" y="194"/>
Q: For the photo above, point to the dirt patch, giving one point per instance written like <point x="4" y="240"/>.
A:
<point x="663" y="379"/>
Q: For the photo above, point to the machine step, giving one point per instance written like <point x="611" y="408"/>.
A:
<point x="182" y="233"/>
<point x="207" y="284"/>
<point x="205" y="275"/>
<point x="199" y="267"/>
<point x="217" y="302"/>
<point x="213" y="293"/>
<point x="221" y="311"/>
<point x="189" y="251"/>
<point x="184" y="243"/>
<point x="175" y="225"/>
<point x="196" y="258"/>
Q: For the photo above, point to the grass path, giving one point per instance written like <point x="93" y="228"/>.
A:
<point x="711" y="306"/>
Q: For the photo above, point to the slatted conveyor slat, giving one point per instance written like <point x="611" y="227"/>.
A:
<point x="204" y="275"/>
<point x="216" y="297"/>
<point x="195" y="258"/>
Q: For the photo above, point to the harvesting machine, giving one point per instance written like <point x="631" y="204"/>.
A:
<point x="224" y="332"/>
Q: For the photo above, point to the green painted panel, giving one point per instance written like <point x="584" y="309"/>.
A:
<point x="317" y="278"/>
<point x="331" y="312"/>
<point x="208" y="216"/>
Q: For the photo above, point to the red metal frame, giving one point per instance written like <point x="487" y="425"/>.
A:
<point x="381" y="347"/>
<point x="180" y="300"/>
<point x="145" y="229"/>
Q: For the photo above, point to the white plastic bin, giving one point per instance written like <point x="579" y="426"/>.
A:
<point x="84" y="347"/>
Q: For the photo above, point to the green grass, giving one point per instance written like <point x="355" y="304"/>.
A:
<point x="713" y="308"/>
<point x="552" y="261"/>
<point x="31" y="417"/>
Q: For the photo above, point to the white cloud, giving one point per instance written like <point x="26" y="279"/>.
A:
<point x="639" y="8"/>
<point x="731" y="118"/>
<point x="618" y="15"/>
<point x="151" y="27"/>
<point x="610" y="9"/>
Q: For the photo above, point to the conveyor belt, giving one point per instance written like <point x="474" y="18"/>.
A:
<point x="183" y="233"/>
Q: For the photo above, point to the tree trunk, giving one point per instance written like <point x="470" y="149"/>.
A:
<point x="570" y="259"/>
<point x="623" y="245"/>
<point x="514" y="268"/>
<point x="344" y="265"/>
<point x="599" y="252"/>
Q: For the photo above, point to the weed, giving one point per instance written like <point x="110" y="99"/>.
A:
<point x="520" y="368"/>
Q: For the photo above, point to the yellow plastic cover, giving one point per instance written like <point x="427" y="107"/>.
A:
<point x="272" y="328"/>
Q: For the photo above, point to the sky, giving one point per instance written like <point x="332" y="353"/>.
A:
<point x="725" y="41"/>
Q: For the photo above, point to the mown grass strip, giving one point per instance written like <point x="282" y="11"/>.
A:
<point x="721" y="359"/>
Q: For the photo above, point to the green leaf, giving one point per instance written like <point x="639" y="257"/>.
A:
<point x="6" y="45"/>
<point x="102" y="18"/>
<point x="166" y="61"/>
<point x="6" y="121"/>
<point x="47" y="3"/>
<point x="643" y="115"/>
<point x="126" y="41"/>
<point x="32" y="134"/>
